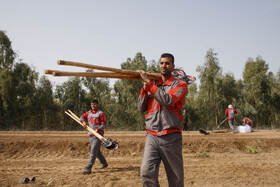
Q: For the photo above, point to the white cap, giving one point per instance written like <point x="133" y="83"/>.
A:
<point x="229" y="106"/>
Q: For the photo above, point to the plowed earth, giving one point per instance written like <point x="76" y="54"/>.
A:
<point x="217" y="159"/>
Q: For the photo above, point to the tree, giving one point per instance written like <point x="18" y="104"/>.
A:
<point x="7" y="95"/>
<point x="126" y="93"/>
<point x="24" y="81"/>
<point x="7" y="55"/>
<point x="45" y="110"/>
<point x="208" y="97"/>
<point x="191" y="109"/>
<point x="257" y="90"/>
<point x="7" y="98"/>
<point x="97" y="88"/>
<point x="71" y="95"/>
<point x="228" y="92"/>
<point x="274" y="104"/>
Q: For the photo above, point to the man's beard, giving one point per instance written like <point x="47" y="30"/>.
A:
<point x="166" y="73"/>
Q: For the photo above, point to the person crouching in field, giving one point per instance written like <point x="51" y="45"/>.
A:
<point x="96" y="119"/>
<point x="246" y="127"/>
<point x="163" y="100"/>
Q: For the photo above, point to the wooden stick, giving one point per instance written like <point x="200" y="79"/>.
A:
<point x="50" y="72"/>
<point x="221" y="123"/>
<point x="90" y="66"/>
<point x="93" y="74"/>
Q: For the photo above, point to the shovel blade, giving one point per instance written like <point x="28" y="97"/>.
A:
<point x="109" y="144"/>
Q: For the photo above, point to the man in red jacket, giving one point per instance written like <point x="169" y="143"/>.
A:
<point x="96" y="119"/>
<point x="230" y="114"/>
<point x="163" y="100"/>
<point x="247" y="121"/>
<point x="246" y="127"/>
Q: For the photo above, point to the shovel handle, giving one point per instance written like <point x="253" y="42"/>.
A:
<point x="221" y="123"/>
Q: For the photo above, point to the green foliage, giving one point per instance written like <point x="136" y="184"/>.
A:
<point x="208" y="99"/>
<point x="258" y="98"/>
<point x="114" y="178"/>
<point x="71" y="96"/>
<point x="24" y="81"/>
<point x="191" y="110"/>
<point x="251" y="149"/>
<point x="7" y="55"/>
<point x="28" y="102"/>
<point x="204" y="155"/>
<point x="96" y="88"/>
<point x="45" y="110"/>
<point x="126" y="115"/>
<point x="7" y="96"/>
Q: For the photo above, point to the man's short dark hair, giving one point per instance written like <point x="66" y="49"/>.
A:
<point x="94" y="101"/>
<point x="168" y="55"/>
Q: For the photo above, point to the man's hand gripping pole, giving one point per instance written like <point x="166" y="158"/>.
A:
<point x="108" y="143"/>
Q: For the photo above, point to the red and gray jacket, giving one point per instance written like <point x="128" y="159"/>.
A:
<point x="95" y="120"/>
<point x="247" y="121"/>
<point x="230" y="113"/>
<point x="164" y="103"/>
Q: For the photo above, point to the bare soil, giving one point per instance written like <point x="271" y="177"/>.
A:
<point x="217" y="159"/>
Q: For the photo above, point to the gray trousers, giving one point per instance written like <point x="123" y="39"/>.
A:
<point x="95" y="152"/>
<point x="231" y="124"/>
<point x="168" y="149"/>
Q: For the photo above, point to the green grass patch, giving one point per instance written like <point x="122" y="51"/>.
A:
<point x="204" y="155"/>
<point x="114" y="178"/>
<point x="252" y="149"/>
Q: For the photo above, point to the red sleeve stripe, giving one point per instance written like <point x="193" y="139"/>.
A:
<point x="179" y="116"/>
<point x="153" y="88"/>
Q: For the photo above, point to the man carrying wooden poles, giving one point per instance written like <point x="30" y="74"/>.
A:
<point x="163" y="100"/>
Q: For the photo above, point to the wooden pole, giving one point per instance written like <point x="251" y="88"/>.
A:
<point x="93" y="74"/>
<point x="116" y="70"/>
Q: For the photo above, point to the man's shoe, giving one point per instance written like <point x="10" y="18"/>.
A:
<point x="24" y="180"/>
<point x="87" y="171"/>
<point x="32" y="179"/>
<point x="103" y="166"/>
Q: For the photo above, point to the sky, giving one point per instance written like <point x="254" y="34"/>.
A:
<point x="109" y="32"/>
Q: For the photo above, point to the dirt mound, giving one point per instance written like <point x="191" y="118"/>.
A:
<point x="217" y="159"/>
<point x="45" y="144"/>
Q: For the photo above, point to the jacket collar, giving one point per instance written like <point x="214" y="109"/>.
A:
<point x="93" y="111"/>
<point x="168" y="82"/>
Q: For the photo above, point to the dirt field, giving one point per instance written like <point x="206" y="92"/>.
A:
<point x="218" y="159"/>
